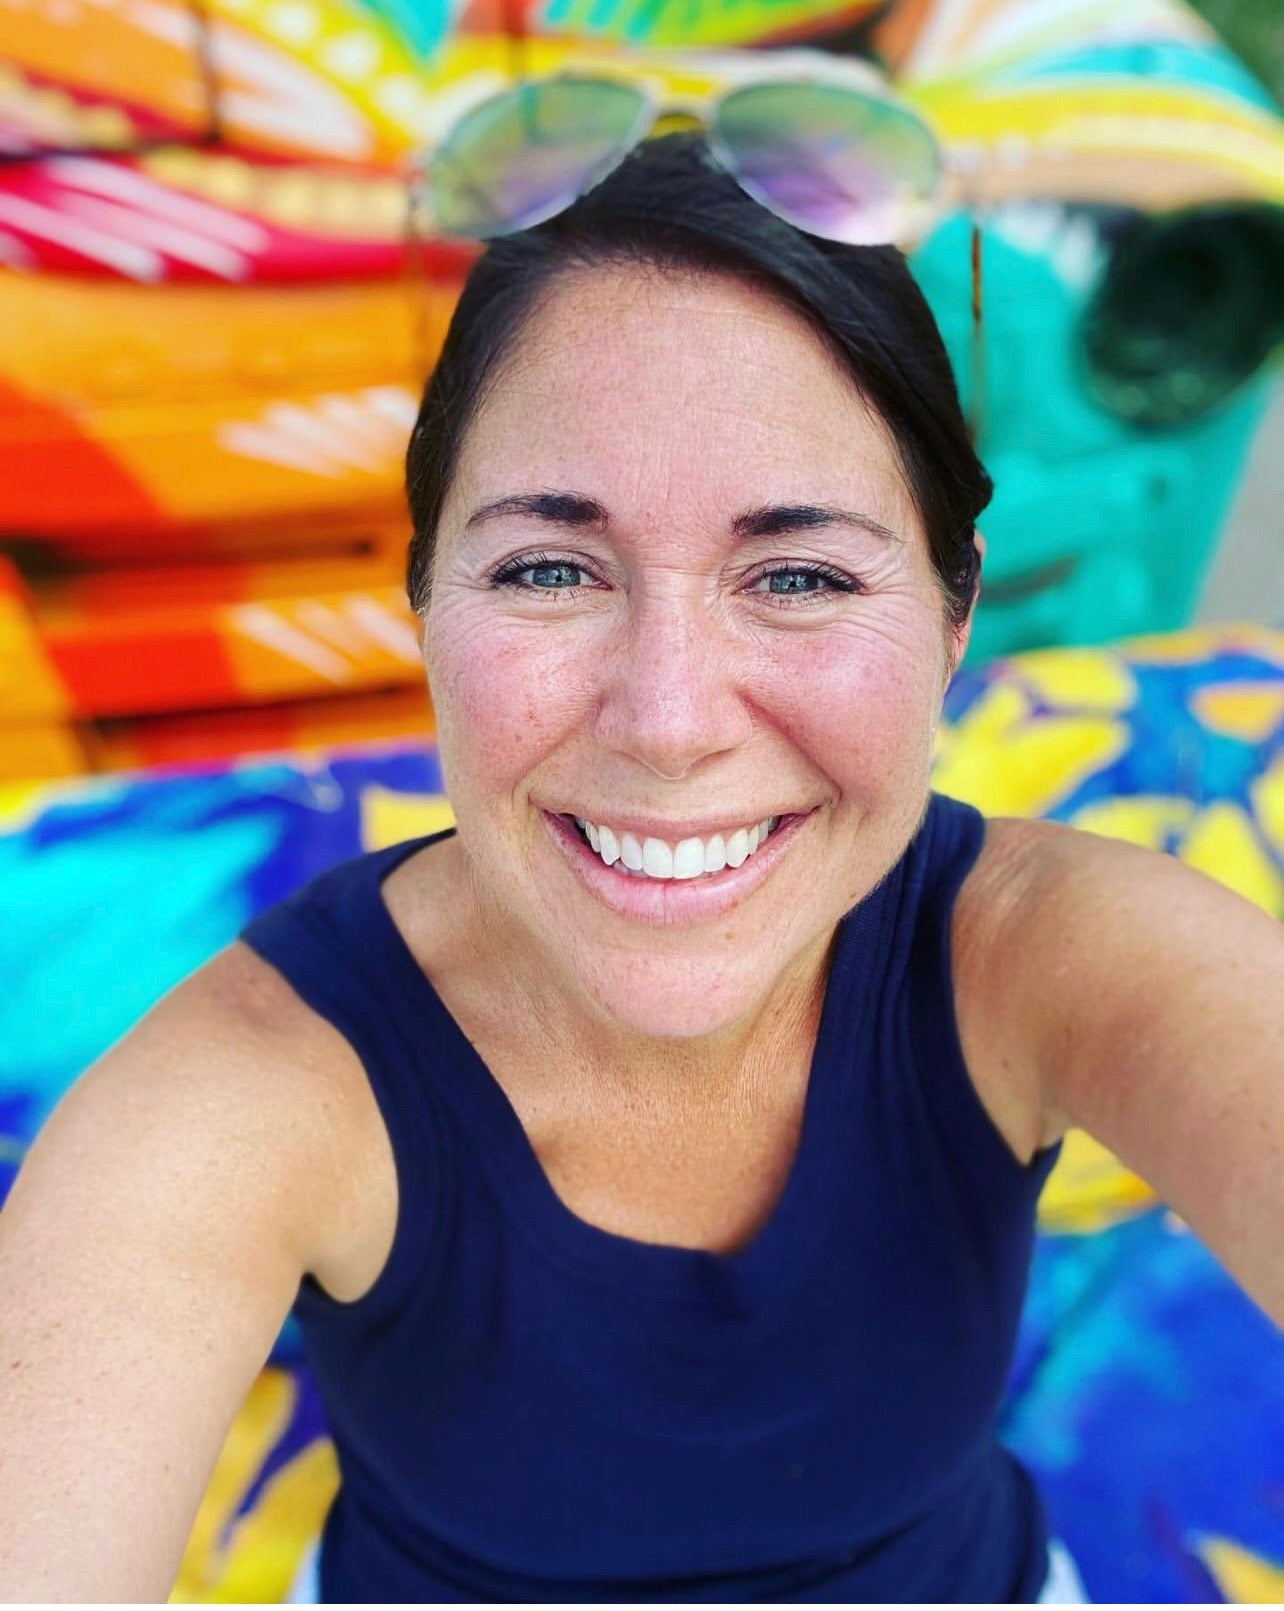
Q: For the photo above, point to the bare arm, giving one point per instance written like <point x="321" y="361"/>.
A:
<point x="149" y="1251"/>
<point x="1156" y="1014"/>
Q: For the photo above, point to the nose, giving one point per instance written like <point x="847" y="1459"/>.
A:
<point x="671" y="691"/>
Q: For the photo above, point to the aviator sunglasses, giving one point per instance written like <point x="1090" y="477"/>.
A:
<point x="838" y="159"/>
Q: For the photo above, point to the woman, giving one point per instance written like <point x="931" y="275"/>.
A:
<point x="654" y="1159"/>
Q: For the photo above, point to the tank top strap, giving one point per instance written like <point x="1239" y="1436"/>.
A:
<point x="949" y="845"/>
<point x="328" y="942"/>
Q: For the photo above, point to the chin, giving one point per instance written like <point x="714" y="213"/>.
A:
<point x="679" y="998"/>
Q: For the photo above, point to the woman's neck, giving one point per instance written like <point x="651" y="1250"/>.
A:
<point x="517" y="1000"/>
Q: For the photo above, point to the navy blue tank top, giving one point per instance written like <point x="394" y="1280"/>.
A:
<point x="526" y="1407"/>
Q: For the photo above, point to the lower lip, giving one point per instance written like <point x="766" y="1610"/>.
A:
<point x="672" y="900"/>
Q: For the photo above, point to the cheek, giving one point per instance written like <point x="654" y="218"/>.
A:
<point x="504" y="693"/>
<point x="862" y="700"/>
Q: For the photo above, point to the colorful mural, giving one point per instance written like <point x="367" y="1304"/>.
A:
<point x="1147" y="1391"/>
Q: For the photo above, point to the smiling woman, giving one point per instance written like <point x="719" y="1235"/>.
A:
<point x="646" y="608"/>
<point x="694" y="551"/>
<point x="651" y="1161"/>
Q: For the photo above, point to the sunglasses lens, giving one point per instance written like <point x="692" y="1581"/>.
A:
<point x="830" y="160"/>
<point x="526" y="154"/>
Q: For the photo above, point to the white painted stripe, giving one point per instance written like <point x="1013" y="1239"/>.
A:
<point x="295" y="100"/>
<point x="302" y="125"/>
<point x="324" y="621"/>
<point x="304" y="424"/>
<point x="144" y="231"/>
<point x="263" y="626"/>
<point x="125" y="184"/>
<point x="372" y="428"/>
<point x="246" y="441"/>
<point x="391" y="630"/>
<point x="136" y="261"/>
<point x="395" y="403"/>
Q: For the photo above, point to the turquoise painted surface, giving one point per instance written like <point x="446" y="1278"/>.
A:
<point x="1099" y="528"/>
<point x="421" y="24"/>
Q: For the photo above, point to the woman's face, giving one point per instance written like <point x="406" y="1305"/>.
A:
<point x="680" y="590"/>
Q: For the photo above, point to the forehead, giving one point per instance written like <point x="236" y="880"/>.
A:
<point x="647" y="388"/>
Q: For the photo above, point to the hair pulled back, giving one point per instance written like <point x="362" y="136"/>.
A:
<point x="669" y="206"/>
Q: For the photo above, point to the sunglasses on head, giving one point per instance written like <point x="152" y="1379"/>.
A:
<point x="829" y="153"/>
<point x="833" y="159"/>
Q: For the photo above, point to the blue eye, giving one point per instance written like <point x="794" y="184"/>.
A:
<point x="558" y="575"/>
<point x="540" y="574"/>
<point x="794" y="581"/>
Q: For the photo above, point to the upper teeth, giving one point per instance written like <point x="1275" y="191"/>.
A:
<point x="689" y="858"/>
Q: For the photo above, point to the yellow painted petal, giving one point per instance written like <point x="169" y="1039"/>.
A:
<point x="388" y="817"/>
<point x="1251" y="711"/>
<point x="1268" y="803"/>
<point x="1243" y="1577"/>
<point x="1082" y="680"/>
<point x="1090" y="1189"/>
<point x="1007" y="766"/>
<point x="268" y="1543"/>
<point x="1222" y="843"/>
<point x="999" y="711"/>
<point x="1145" y="820"/>
<point x="258" y="1424"/>
<point x="963" y="765"/>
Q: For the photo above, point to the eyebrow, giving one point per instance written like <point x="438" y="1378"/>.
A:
<point x="554" y="508"/>
<point x="774" y="519"/>
<point x="575" y="511"/>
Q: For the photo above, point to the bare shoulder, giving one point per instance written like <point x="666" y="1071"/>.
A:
<point x="1143" y="1002"/>
<point x="324" y="1089"/>
<point x="1057" y="931"/>
<point x="301" y="1081"/>
<point x="1066" y="899"/>
<point x="986" y="924"/>
<point x="1008" y="948"/>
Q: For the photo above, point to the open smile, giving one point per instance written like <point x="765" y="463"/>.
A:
<point x="657" y="880"/>
<point x="692" y="857"/>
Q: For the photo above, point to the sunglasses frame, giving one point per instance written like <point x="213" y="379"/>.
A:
<point x="656" y="106"/>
